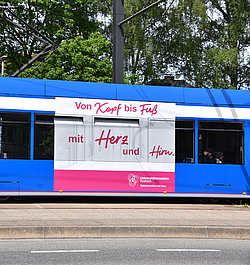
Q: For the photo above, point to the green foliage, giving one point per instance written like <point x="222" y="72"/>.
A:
<point x="206" y="41"/>
<point x="133" y="79"/>
<point x="57" y="20"/>
<point x="78" y="60"/>
<point x="141" y="41"/>
<point x="214" y="38"/>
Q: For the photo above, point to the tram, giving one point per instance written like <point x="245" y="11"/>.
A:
<point x="68" y="138"/>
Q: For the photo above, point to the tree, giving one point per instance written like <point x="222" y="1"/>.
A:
<point x="142" y="46"/>
<point x="206" y="41"/>
<point x="57" y="20"/>
<point x="216" y="39"/>
<point x="77" y="59"/>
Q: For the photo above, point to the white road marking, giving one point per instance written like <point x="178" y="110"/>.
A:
<point x="186" y="250"/>
<point x="64" y="251"/>
<point x="37" y="205"/>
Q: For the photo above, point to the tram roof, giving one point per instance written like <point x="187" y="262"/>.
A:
<point x="182" y="95"/>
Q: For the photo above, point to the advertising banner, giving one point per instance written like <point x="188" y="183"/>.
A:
<point x="114" y="146"/>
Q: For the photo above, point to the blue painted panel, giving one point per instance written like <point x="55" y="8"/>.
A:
<point x="216" y="96"/>
<point x="242" y="98"/>
<point x="131" y="92"/>
<point x="190" y="178"/>
<point x="202" y="96"/>
<point x="52" y="88"/>
<point x="9" y="186"/>
<point x="150" y="93"/>
<point x="36" y="175"/>
<point x="80" y="89"/>
<point x="195" y="178"/>
<point x="164" y="94"/>
<point x="187" y="181"/>
<point x="22" y="86"/>
<point x="219" y="188"/>
<point x="245" y="169"/>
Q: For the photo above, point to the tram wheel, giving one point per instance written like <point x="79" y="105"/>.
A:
<point x="4" y="198"/>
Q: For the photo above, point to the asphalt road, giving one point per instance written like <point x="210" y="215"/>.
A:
<point x="125" y="251"/>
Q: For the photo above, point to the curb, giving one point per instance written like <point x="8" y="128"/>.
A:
<point x="52" y="232"/>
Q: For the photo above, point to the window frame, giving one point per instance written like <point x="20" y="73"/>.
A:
<point x="43" y="123"/>
<point x="17" y="135"/>
<point x="237" y="155"/>
<point x="190" y="160"/>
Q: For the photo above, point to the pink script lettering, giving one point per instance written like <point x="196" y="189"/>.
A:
<point x="158" y="151"/>
<point x="103" y="108"/>
<point x="111" y="139"/>
<point x="148" y="108"/>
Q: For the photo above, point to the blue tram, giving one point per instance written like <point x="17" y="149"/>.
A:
<point x="90" y="139"/>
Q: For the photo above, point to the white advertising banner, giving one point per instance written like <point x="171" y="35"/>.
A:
<point x="114" y="145"/>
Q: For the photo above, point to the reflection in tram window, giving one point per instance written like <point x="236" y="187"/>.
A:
<point x="222" y="136"/>
<point x="44" y="137"/>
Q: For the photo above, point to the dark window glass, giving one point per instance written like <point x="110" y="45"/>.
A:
<point x="221" y="125"/>
<point x="223" y="141"/>
<point x="14" y="135"/>
<point x="184" y="141"/>
<point x="118" y="122"/>
<point x="184" y="124"/>
<point x="44" y="137"/>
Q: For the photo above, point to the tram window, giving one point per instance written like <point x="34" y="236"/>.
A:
<point x="44" y="137"/>
<point x="222" y="136"/>
<point x="14" y="135"/>
<point x="184" y="141"/>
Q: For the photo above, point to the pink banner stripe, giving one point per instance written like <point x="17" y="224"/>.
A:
<point x="131" y="181"/>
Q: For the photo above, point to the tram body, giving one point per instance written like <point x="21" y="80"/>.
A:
<point x="89" y="139"/>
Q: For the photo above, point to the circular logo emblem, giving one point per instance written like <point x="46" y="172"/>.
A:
<point x="133" y="180"/>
